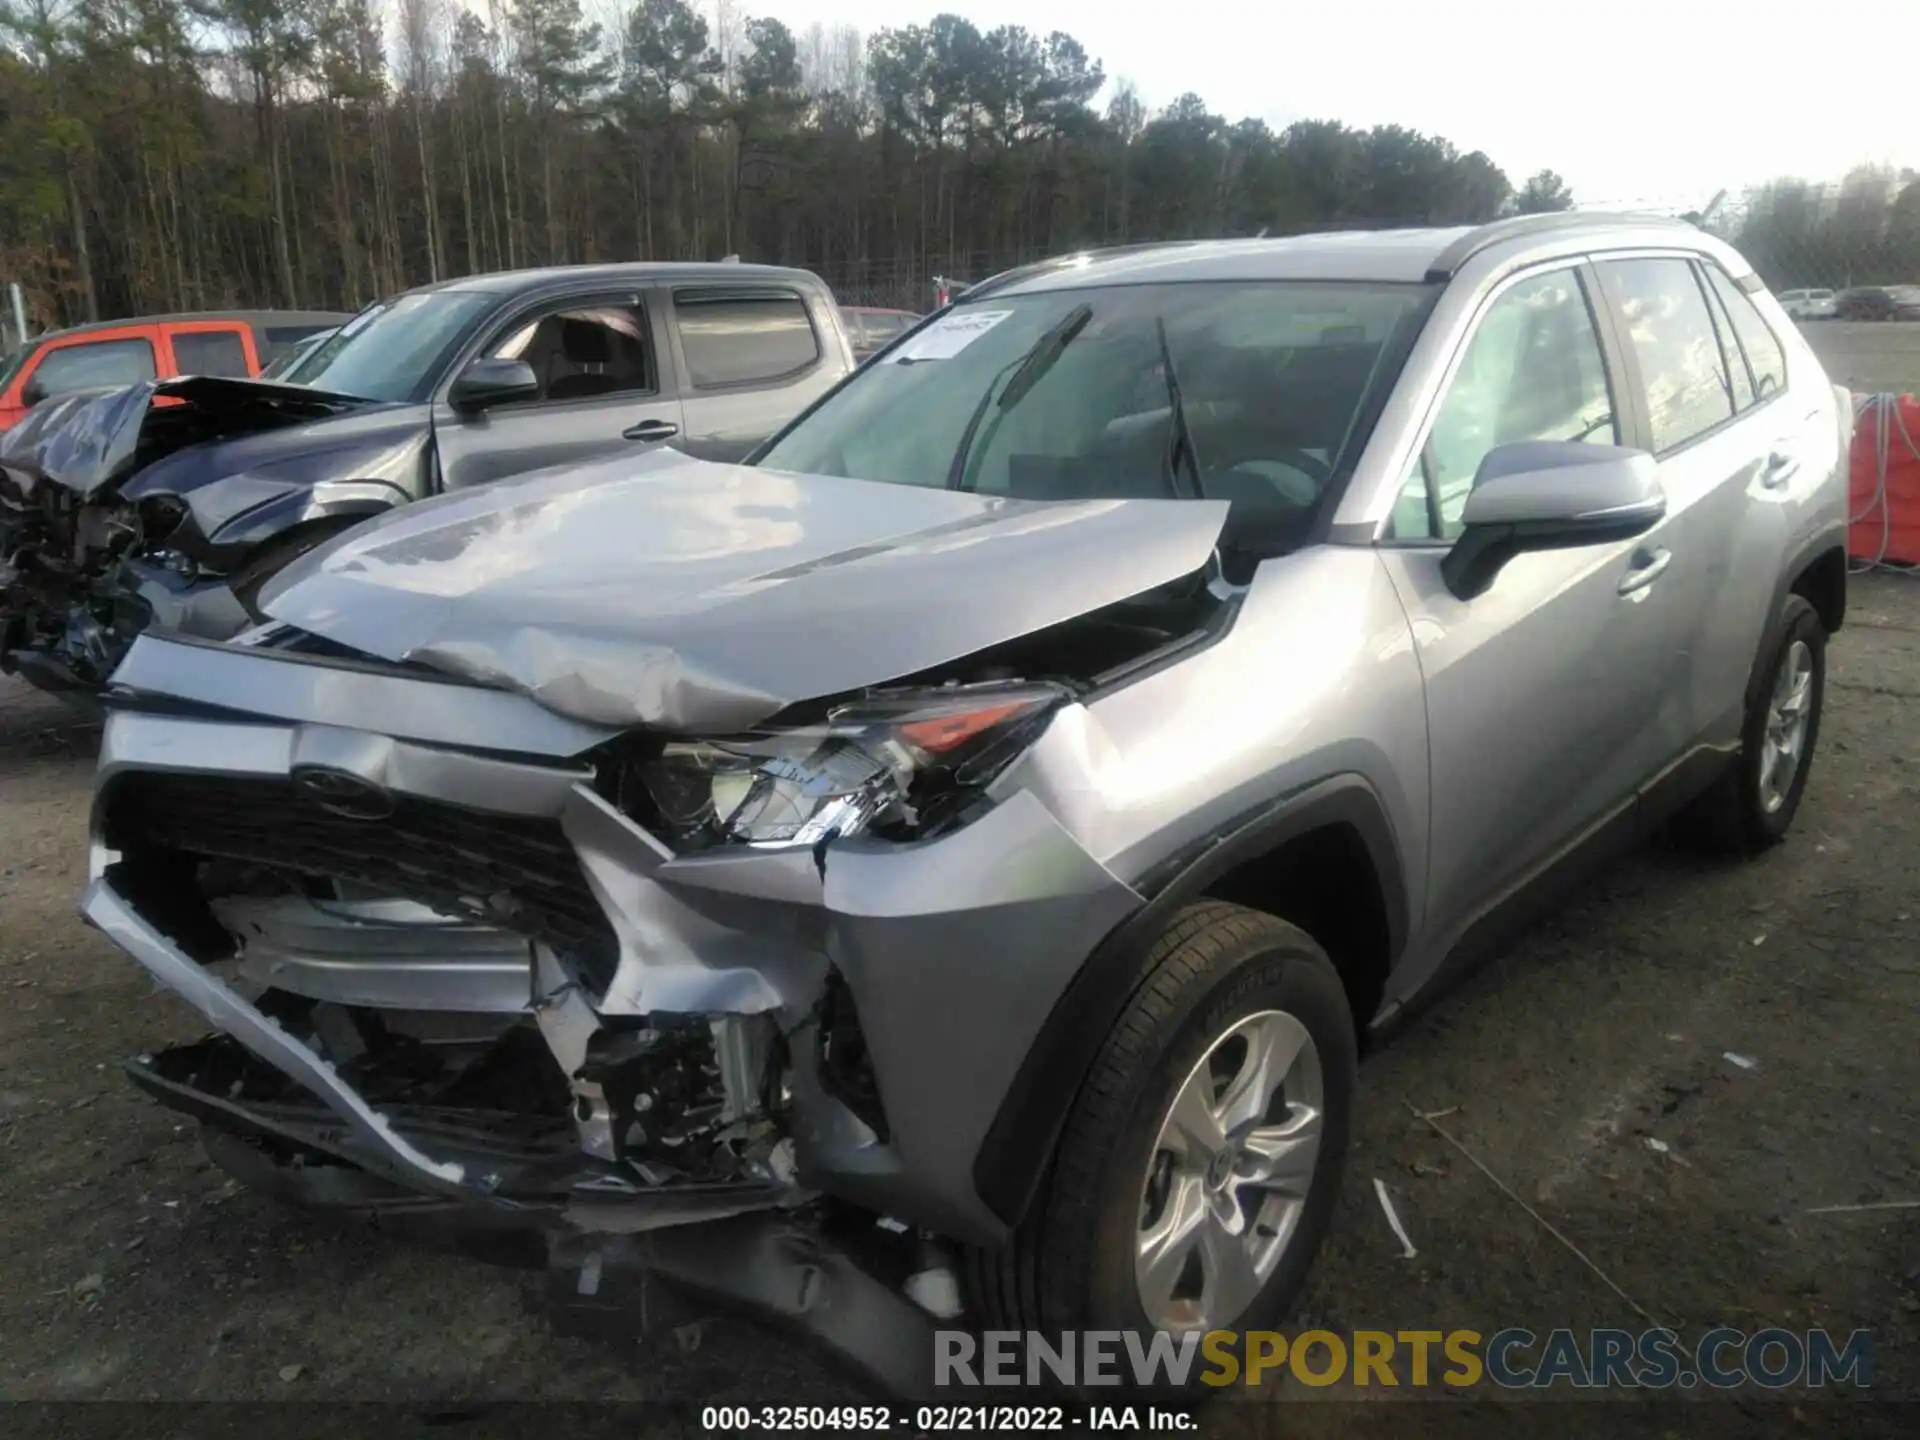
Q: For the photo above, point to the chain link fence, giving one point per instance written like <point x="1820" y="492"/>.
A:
<point x="1833" y="256"/>
<point x="1837" y="262"/>
<point x="913" y="283"/>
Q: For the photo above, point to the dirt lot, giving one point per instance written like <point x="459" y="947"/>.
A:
<point x="131" y="1269"/>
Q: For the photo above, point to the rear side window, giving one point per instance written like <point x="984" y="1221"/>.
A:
<point x="1766" y="362"/>
<point x="102" y="364"/>
<point x="882" y="328"/>
<point x="1668" y="325"/>
<point x="1740" y="378"/>
<point x="210" y="352"/>
<point x="739" y="338"/>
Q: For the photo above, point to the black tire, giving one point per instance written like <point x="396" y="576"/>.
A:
<point x="1070" y="1265"/>
<point x="276" y="554"/>
<point x="1733" y="817"/>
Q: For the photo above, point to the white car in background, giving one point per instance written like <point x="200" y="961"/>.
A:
<point x="1809" y="304"/>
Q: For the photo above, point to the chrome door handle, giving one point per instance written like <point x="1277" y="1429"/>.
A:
<point x="651" y="430"/>
<point x="1648" y="566"/>
<point x="1779" y="469"/>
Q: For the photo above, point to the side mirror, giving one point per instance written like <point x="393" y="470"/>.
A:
<point x="1550" y="495"/>
<point x="488" y="382"/>
<point x="33" y="392"/>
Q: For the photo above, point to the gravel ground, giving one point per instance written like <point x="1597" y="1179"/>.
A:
<point x="131" y="1269"/>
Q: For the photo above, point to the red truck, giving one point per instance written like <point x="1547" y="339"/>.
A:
<point x="236" y="344"/>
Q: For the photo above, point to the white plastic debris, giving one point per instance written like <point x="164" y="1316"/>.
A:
<point x="781" y="1160"/>
<point x="936" y="1292"/>
<point x="1658" y="1146"/>
<point x="1407" y="1252"/>
<point x="1745" y="1062"/>
<point x="588" y="1281"/>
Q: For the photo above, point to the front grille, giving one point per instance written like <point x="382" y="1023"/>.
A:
<point x="509" y="870"/>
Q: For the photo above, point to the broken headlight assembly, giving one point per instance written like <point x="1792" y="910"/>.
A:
<point x="902" y="764"/>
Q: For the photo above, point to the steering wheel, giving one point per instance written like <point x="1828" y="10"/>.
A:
<point x="1231" y="447"/>
<point x="1308" y="464"/>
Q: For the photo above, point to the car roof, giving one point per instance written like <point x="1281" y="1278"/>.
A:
<point x="256" y="318"/>
<point x="1407" y="256"/>
<point x="504" y="282"/>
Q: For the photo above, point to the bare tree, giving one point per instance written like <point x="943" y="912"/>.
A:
<point x="165" y="153"/>
<point x="424" y="28"/>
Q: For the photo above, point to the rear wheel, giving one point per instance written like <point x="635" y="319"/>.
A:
<point x="1753" y="804"/>
<point x="1198" y="1168"/>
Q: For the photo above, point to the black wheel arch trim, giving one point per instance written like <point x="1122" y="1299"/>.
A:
<point x="1019" y="1144"/>
<point x="1811" y="551"/>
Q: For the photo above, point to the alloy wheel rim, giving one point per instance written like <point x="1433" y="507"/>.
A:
<point x="1783" y="743"/>
<point x="1229" y="1173"/>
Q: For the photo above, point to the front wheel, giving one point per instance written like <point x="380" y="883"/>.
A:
<point x="1199" y="1166"/>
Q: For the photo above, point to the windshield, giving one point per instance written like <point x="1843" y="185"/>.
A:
<point x="393" y="350"/>
<point x="289" y="366"/>
<point x="10" y="367"/>
<point x="1065" y="395"/>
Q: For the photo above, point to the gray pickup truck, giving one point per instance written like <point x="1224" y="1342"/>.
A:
<point x="172" y="503"/>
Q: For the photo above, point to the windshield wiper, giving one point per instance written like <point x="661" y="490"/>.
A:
<point x="1179" y="436"/>
<point x="1027" y="372"/>
<point x="1593" y="425"/>
<point x="1046" y="350"/>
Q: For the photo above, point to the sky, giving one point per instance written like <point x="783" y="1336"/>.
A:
<point x="1631" y="101"/>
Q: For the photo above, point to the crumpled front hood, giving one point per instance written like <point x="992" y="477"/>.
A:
<point x="88" y="441"/>
<point x="691" y="596"/>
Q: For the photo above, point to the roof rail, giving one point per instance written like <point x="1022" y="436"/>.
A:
<point x="1515" y="227"/>
<point x="1061" y="262"/>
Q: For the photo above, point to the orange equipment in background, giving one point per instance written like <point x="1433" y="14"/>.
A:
<point x="1885" y="481"/>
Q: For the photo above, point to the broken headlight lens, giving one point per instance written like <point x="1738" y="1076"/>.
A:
<point x="884" y="763"/>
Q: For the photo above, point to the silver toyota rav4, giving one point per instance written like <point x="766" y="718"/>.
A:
<point x="944" y="868"/>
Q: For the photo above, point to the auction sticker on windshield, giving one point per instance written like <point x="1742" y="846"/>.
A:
<point x="948" y="336"/>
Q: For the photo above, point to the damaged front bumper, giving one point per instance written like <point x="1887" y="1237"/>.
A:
<point x="860" y="1010"/>
<point x="69" y="636"/>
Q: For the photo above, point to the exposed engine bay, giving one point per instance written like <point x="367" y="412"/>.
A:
<point x="615" y="898"/>
<point x="444" y="962"/>
<point x="88" y="558"/>
<point x="66" y="595"/>
<point x="901" y="762"/>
